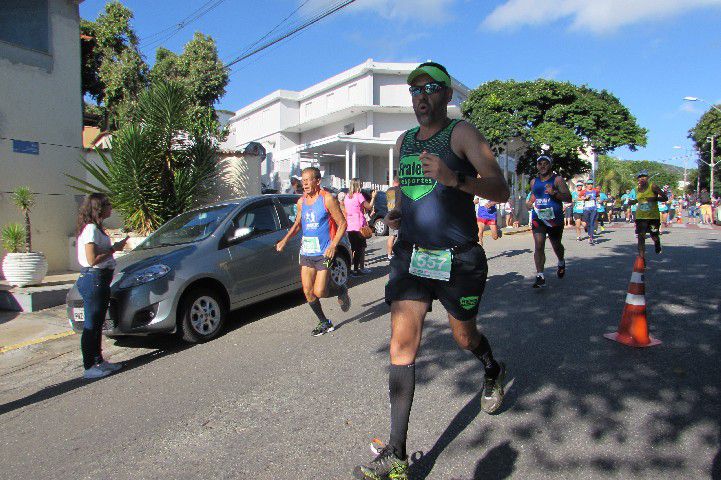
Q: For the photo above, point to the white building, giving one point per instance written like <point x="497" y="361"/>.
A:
<point x="41" y="117"/>
<point x="346" y="125"/>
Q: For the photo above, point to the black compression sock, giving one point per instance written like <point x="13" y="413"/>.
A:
<point x="315" y="306"/>
<point x="401" y="386"/>
<point x="484" y="354"/>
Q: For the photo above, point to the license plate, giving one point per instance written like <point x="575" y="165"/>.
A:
<point x="78" y="314"/>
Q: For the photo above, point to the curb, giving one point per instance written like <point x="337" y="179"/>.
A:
<point x="513" y="232"/>
<point x="36" y="341"/>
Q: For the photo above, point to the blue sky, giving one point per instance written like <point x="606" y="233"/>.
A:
<point x="649" y="53"/>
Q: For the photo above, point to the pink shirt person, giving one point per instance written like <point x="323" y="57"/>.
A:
<point x="354" y="212"/>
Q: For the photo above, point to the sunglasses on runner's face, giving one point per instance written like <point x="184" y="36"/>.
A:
<point x="428" y="88"/>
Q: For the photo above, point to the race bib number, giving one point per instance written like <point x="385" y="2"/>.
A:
<point x="310" y="246"/>
<point x="590" y="204"/>
<point x="644" y="207"/>
<point x="434" y="264"/>
<point x="545" y="213"/>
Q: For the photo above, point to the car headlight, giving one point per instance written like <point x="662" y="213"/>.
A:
<point x="145" y="275"/>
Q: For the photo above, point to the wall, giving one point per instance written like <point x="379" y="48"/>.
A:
<point x="44" y="105"/>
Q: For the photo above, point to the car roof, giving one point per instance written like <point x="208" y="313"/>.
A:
<point x="244" y="200"/>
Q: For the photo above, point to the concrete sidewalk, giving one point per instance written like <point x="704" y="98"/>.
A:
<point x="21" y="329"/>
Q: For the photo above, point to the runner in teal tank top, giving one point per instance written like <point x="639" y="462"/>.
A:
<point x="436" y="255"/>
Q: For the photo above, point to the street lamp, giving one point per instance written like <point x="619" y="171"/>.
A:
<point x="697" y="99"/>
<point x="712" y="137"/>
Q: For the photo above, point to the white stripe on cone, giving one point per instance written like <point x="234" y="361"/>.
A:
<point x="637" y="277"/>
<point x="632" y="299"/>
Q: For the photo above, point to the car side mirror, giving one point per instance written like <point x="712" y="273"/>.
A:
<point x="240" y="233"/>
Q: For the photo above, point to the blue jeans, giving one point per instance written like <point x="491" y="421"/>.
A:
<point x="589" y="217"/>
<point x="94" y="287"/>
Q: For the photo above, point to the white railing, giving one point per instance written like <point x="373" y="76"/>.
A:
<point x="339" y="182"/>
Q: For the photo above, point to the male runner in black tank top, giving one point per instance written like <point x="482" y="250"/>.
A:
<point x="442" y="165"/>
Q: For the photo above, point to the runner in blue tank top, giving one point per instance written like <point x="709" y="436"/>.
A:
<point x="548" y="192"/>
<point x="322" y="225"/>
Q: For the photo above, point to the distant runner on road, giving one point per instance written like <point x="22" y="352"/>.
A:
<point x="548" y="191"/>
<point x="648" y="218"/>
<point x="486" y="215"/>
<point x="322" y="225"/>
<point x="578" y="209"/>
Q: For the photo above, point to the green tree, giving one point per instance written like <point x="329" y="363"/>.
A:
<point x="708" y="125"/>
<point x="113" y="69"/>
<point x="24" y="199"/>
<point x="163" y="163"/>
<point x="566" y="117"/>
<point x="198" y="68"/>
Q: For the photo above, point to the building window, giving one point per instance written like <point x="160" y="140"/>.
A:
<point x="25" y="23"/>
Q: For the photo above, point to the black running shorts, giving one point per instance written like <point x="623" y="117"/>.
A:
<point x="647" y="226"/>
<point x="318" y="262"/>
<point x="554" y="233"/>
<point x="460" y="296"/>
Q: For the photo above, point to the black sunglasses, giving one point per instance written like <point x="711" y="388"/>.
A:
<point x="428" y="88"/>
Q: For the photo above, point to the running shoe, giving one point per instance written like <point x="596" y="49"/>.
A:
<point x="591" y="242"/>
<point x="96" y="371"/>
<point x="540" y="282"/>
<point x="113" y="367"/>
<point x="493" y="393"/>
<point x="578" y="238"/>
<point x="344" y="300"/>
<point x="386" y="466"/>
<point x="322" y="328"/>
<point x="561" y="271"/>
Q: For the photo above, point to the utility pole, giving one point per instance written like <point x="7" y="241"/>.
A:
<point x="711" y="165"/>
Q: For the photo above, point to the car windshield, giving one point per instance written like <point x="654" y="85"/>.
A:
<point x="188" y="227"/>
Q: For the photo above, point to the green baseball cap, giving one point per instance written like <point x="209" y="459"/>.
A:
<point x="434" y="70"/>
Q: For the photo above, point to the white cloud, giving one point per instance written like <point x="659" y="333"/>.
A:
<point x="598" y="16"/>
<point x="425" y="11"/>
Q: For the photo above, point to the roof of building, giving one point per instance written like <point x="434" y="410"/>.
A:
<point x="368" y="66"/>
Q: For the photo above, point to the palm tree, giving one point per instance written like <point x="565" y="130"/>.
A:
<point x="162" y="163"/>
<point x="24" y="199"/>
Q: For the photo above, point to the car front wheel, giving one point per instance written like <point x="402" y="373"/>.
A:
<point x="203" y="315"/>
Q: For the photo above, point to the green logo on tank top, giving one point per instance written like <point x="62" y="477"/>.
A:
<point x="469" y="302"/>
<point x="414" y="184"/>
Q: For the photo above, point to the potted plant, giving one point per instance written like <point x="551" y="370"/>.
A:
<point x="28" y="267"/>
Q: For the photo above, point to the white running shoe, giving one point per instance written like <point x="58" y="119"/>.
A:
<point x="96" y="371"/>
<point x="113" y="367"/>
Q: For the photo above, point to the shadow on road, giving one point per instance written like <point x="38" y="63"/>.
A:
<point x="573" y="387"/>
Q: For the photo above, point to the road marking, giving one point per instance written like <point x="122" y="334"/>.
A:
<point x="36" y="341"/>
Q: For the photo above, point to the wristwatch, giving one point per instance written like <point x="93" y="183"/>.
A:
<point x="460" y="178"/>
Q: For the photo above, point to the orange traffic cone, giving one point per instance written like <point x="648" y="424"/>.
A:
<point x="633" y="329"/>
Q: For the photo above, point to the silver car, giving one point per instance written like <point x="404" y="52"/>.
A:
<point x="202" y="264"/>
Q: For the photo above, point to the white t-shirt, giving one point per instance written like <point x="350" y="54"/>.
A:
<point x="92" y="234"/>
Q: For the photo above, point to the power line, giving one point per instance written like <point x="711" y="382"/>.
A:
<point x="274" y="28"/>
<point x="303" y="26"/>
<point x="169" y="32"/>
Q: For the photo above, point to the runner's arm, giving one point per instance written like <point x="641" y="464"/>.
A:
<point x="294" y="229"/>
<point x="393" y="217"/>
<point x="562" y="194"/>
<point x="660" y="195"/>
<point x="490" y="184"/>
<point x="331" y="203"/>
<point x="532" y="198"/>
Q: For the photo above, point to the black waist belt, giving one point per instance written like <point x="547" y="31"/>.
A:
<point x="457" y="249"/>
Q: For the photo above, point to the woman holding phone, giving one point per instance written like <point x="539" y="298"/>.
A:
<point x="95" y="255"/>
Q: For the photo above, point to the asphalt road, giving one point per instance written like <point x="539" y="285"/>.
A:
<point x="268" y="401"/>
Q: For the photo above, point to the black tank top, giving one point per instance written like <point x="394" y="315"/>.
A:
<point x="434" y="216"/>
